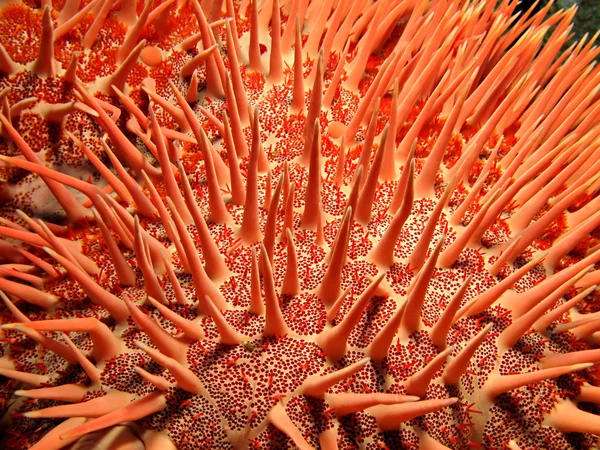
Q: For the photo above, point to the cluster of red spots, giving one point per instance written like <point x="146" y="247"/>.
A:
<point x="591" y="303"/>
<point x="459" y="194"/>
<point x="475" y="171"/>
<point x="165" y="71"/>
<point x="312" y="415"/>
<point x="442" y="284"/>
<point x="377" y="313"/>
<point x="310" y="260"/>
<point x="357" y="276"/>
<point x="344" y="105"/>
<point x="273" y="111"/>
<point x="37" y="132"/>
<point x="23" y="351"/>
<point x="514" y="360"/>
<point x="254" y="83"/>
<point x="497" y="234"/>
<point x="85" y="129"/>
<point x="380" y="208"/>
<point x="271" y="437"/>
<point x="246" y="380"/>
<point x="99" y="62"/>
<point x="199" y="350"/>
<point x="357" y="430"/>
<point x="331" y="152"/>
<point x="483" y="361"/>
<point x="331" y="228"/>
<point x="245" y="322"/>
<point x="585" y="245"/>
<point x="536" y="275"/>
<point x="464" y="330"/>
<point x="551" y="232"/>
<point x="539" y="399"/>
<point x="355" y="151"/>
<point x="359" y="243"/>
<point x="94" y="394"/>
<point x="134" y="79"/>
<point x="178" y="23"/>
<point x="212" y="132"/>
<point x="366" y="82"/>
<point x="456" y="421"/>
<point x="237" y="290"/>
<point x="242" y="20"/>
<point x="429" y="134"/>
<point x="64" y="153"/>
<point x="111" y="35"/>
<point x="193" y="419"/>
<point x="385" y="109"/>
<point x="413" y="228"/>
<point x="132" y="334"/>
<point x="31" y="430"/>
<point x="10" y="175"/>
<point x="104" y="49"/>
<point x="453" y="150"/>
<point x="403" y="360"/>
<point x="399" y="276"/>
<point x="25" y="22"/>
<point x="292" y="128"/>
<point x="67" y="290"/>
<point x="66" y="46"/>
<point x="304" y="314"/>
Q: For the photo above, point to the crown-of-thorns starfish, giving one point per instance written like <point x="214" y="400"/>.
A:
<point x="298" y="224"/>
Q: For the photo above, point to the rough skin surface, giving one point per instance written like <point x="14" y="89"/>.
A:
<point x="272" y="267"/>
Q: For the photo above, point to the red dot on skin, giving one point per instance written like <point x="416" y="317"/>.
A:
<point x="151" y="56"/>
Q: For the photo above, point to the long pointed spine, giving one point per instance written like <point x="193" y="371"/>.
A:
<point x="74" y="210"/>
<point x="255" y="64"/>
<point x="256" y="299"/>
<point x="202" y="283"/>
<point x="291" y="283"/>
<point x="364" y="206"/>
<point x="44" y="64"/>
<point x="111" y="303"/>
<point x="237" y="85"/>
<point x="499" y="384"/>
<point x="417" y="257"/>
<point x="313" y="186"/>
<point x="379" y="348"/>
<point x="317" y="385"/>
<point x="250" y="231"/>
<point x="215" y="264"/>
<point x="457" y="366"/>
<point x="334" y="341"/>
<point x="298" y="94"/>
<point x="138" y="409"/>
<point x="329" y="289"/>
<point x="276" y="58"/>
<point x="417" y="384"/>
<point x="314" y="112"/>
<point x="416" y="298"/>
<point x="274" y="323"/>
<point x="389" y="417"/>
<point x="439" y="332"/>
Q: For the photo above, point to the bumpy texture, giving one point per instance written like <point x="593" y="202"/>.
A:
<point x="297" y="224"/>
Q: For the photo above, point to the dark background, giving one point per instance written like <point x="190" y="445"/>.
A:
<point x="587" y="19"/>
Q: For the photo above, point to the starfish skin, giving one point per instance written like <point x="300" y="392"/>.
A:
<point x="297" y="225"/>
